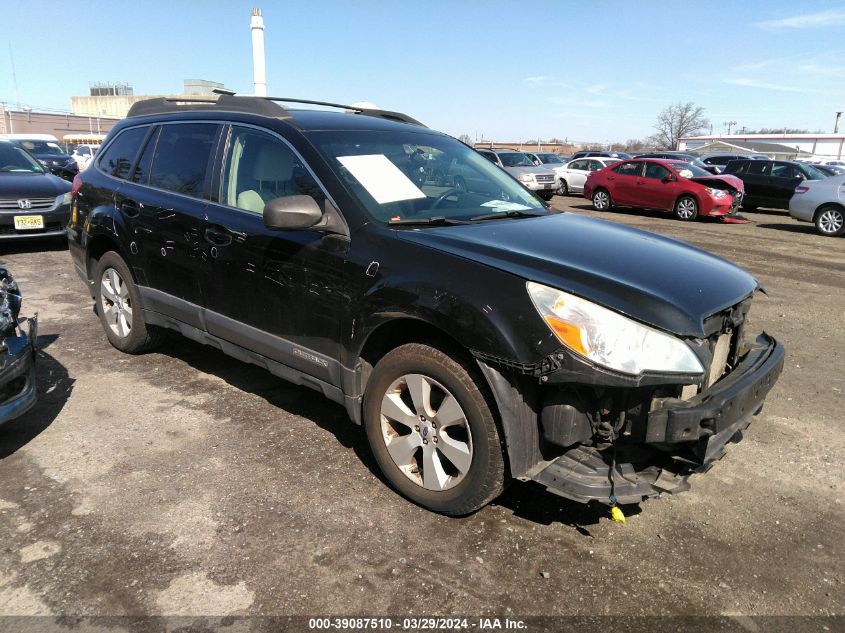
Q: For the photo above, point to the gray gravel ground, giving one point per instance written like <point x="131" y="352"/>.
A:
<point x="183" y="482"/>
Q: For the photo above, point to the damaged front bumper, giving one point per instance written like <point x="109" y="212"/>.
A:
<point x="17" y="370"/>
<point x="681" y="437"/>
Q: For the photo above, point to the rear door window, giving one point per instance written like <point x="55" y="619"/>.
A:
<point x="180" y="161"/>
<point x="629" y="169"/>
<point x="120" y="154"/>
<point x="758" y="168"/>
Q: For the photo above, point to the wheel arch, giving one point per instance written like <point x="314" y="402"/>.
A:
<point x="98" y="245"/>
<point x="825" y="205"/>
<point x="520" y="444"/>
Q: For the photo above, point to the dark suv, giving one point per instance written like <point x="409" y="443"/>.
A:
<point x="475" y="335"/>
<point x="770" y="183"/>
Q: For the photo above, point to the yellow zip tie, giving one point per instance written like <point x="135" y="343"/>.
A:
<point x="617" y="514"/>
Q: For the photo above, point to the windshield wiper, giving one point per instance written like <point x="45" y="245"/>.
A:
<point x="506" y="214"/>
<point x="437" y="220"/>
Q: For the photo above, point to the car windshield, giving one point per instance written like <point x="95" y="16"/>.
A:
<point x="14" y="159"/>
<point x="515" y="159"/>
<point x="41" y="147"/>
<point x="408" y="176"/>
<point x="688" y="170"/>
<point x="549" y="158"/>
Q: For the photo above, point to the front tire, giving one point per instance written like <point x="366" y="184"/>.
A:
<point x="601" y="200"/>
<point x="686" y="208"/>
<point x="432" y="431"/>
<point x="119" y="307"/>
<point x="830" y="221"/>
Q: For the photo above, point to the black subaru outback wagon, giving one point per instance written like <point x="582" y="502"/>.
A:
<point x="476" y="335"/>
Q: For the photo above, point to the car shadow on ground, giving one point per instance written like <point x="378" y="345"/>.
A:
<point x="16" y="247"/>
<point x="524" y="499"/>
<point x="54" y="386"/>
<point x="295" y="399"/>
<point x="531" y="501"/>
<point x="807" y="229"/>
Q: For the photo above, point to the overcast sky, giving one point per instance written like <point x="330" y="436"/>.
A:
<point x="588" y="70"/>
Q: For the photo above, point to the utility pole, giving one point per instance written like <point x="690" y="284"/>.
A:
<point x="15" y="77"/>
<point x="729" y="125"/>
<point x="836" y="123"/>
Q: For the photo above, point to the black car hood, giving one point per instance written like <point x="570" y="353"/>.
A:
<point x="663" y="282"/>
<point x="31" y="185"/>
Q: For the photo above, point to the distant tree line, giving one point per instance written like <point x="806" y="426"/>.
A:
<point x="672" y="124"/>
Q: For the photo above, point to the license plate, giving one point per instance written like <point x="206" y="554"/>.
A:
<point x="24" y="222"/>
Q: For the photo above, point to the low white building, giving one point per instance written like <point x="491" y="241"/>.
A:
<point x="805" y="145"/>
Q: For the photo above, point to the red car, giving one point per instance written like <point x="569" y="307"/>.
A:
<point x="669" y="185"/>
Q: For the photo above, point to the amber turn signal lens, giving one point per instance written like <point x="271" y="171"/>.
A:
<point x="569" y="334"/>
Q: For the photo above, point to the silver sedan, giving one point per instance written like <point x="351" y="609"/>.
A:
<point x="821" y="202"/>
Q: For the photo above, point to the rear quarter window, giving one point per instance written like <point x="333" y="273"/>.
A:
<point x="118" y="157"/>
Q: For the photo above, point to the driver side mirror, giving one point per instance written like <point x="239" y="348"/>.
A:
<point x="292" y="213"/>
<point x="669" y="178"/>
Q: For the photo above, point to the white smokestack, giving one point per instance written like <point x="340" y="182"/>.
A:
<point x="259" y="77"/>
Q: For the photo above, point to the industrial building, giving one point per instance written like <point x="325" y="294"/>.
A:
<point x="114" y="100"/>
<point x="29" y="121"/>
<point x="782" y="146"/>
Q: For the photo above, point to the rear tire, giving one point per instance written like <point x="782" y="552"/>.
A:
<point x="119" y="307"/>
<point x="432" y="431"/>
<point x="602" y="200"/>
<point x="830" y="221"/>
<point x="686" y="208"/>
<point x="563" y="189"/>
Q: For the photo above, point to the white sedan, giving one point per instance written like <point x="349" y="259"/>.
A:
<point x="575" y="172"/>
<point x="821" y="202"/>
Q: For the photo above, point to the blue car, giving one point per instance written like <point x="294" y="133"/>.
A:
<point x="17" y="352"/>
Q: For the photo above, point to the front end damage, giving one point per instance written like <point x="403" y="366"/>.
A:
<point x="729" y="184"/>
<point x="17" y="352"/>
<point x="612" y="438"/>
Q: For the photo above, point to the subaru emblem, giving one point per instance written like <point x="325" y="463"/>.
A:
<point x="25" y="204"/>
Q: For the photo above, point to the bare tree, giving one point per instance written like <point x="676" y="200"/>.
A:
<point x="465" y="139"/>
<point x="680" y="119"/>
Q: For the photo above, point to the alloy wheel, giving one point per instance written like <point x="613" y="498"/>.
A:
<point x="831" y="221"/>
<point x="116" y="303"/>
<point x="426" y="432"/>
<point x="601" y="200"/>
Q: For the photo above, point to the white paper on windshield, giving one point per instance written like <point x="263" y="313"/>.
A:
<point x="505" y="205"/>
<point x="685" y="173"/>
<point x="382" y="179"/>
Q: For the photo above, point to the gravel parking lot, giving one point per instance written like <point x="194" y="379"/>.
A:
<point x="184" y="482"/>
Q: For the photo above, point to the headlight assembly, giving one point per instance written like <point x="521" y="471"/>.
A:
<point x="64" y="198"/>
<point x="525" y="178"/>
<point x="609" y="339"/>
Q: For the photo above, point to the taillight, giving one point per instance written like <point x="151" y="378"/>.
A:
<point x="76" y="186"/>
<point x="802" y="189"/>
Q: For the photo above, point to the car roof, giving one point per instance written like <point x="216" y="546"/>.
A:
<point x="242" y="107"/>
